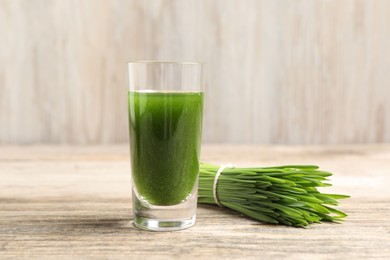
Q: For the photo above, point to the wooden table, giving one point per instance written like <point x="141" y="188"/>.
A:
<point x="75" y="202"/>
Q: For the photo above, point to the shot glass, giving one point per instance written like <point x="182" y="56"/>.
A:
<point x="165" y="104"/>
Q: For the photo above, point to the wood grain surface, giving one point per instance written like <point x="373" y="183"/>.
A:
<point x="72" y="202"/>
<point x="278" y="72"/>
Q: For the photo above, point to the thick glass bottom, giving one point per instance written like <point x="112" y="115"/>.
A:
<point x="163" y="225"/>
<point x="165" y="218"/>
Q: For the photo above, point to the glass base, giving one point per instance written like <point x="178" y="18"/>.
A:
<point x="163" y="225"/>
<point x="165" y="218"/>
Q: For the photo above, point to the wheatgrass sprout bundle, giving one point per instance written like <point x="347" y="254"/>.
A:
<point x="279" y="195"/>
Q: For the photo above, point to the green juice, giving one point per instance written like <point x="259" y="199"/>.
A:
<point x="165" y="132"/>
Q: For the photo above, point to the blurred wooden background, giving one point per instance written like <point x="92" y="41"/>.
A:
<point x="284" y="72"/>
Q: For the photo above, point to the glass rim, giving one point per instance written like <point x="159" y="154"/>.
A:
<point x="165" y="62"/>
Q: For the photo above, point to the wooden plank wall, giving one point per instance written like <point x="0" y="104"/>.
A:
<point x="278" y="71"/>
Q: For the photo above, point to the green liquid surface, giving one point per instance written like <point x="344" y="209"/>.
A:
<point x="165" y="133"/>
